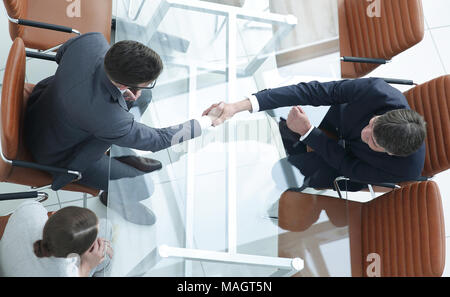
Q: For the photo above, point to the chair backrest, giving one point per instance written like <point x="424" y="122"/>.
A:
<point x="399" y="26"/>
<point x="82" y="15"/>
<point x="432" y="101"/>
<point x="15" y="9"/>
<point x="405" y="227"/>
<point x="12" y="105"/>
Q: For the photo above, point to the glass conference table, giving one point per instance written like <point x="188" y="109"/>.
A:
<point x="215" y="199"/>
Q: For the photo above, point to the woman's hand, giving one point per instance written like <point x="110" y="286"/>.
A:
<point x="109" y="250"/>
<point x="93" y="257"/>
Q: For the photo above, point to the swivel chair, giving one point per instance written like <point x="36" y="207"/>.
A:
<point x="16" y="163"/>
<point x="404" y="227"/>
<point x="372" y="33"/>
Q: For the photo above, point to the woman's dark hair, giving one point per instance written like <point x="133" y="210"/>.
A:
<point x="131" y="63"/>
<point x="70" y="230"/>
<point x="400" y="132"/>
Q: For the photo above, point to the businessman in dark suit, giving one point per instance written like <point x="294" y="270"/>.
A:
<point x="369" y="133"/>
<point x="74" y="117"/>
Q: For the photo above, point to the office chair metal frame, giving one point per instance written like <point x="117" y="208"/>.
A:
<point x="43" y="54"/>
<point x="41" y="196"/>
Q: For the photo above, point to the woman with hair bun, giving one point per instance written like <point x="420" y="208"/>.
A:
<point x="64" y="244"/>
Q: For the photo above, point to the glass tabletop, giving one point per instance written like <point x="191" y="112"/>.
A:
<point x="216" y="198"/>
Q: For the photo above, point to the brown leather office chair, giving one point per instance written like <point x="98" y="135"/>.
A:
<point x="432" y="101"/>
<point x="405" y="227"/>
<point x="92" y="16"/>
<point x="16" y="163"/>
<point x="366" y="42"/>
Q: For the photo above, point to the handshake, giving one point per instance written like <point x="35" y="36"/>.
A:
<point x="297" y="120"/>
<point x="219" y="113"/>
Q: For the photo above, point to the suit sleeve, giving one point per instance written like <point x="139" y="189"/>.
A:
<point x="313" y="93"/>
<point x="345" y="163"/>
<point x="139" y="136"/>
<point x="88" y="38"/>
<point x="63" y="48"/>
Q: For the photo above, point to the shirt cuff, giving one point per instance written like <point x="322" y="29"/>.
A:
<point x="254" y="102"/>
<point x="307" y="133"/>
<point x="205" y="122"/>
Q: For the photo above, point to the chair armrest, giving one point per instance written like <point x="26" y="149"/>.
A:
<point x="20" y="195"/>
<point x="42" y="25"/>
<point x="343" y="178"/>
<point x="77" y="175"/>
<point x="399" y="81"/>
<point x="364" y="60"/>
<point x="41" y="56"/>
<point x="24" y="195"/>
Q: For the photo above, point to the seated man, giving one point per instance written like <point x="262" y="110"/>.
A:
<point x="375" y="136"/>
<point x="74" y="117"/>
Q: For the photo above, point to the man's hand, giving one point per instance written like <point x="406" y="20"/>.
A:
<point x="220" y="112"/>
<point x="128" y="95"/>
<point x="214" y="113"/>
<point x="298" y="121"/>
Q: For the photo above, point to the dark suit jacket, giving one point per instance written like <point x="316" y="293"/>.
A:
<point x="353" y="103"/>
<point x="73" y="117"/>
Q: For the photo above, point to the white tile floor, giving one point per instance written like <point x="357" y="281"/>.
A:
<point x="427" y="60"/>
<point x="436" y="13"/>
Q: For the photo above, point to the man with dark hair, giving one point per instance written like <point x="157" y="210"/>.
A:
<point x="368" y="134"/>
<point x="129" y="62"/>
<point x="400" y="132"/>
<point x="75" y="116"/>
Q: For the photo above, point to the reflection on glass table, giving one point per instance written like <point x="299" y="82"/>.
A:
<point x="220" y="41"/>
<point x="214" y="195"/>
<point x="316" y="229"/>
<point x="189" y="198"/>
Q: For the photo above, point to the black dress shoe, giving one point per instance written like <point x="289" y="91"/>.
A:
<point x="140" y="163"/>
<point x="291" y="140"/>
<point x="133" y="211"/>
